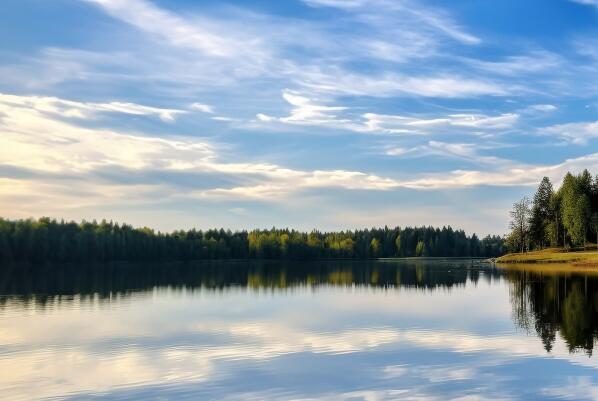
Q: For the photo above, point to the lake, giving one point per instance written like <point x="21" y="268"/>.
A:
<point x="338" y="330"/>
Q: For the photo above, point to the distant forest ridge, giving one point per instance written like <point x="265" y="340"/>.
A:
<point x="49" y="240"/>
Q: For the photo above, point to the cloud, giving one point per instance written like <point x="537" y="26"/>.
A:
<point x="382" y="9"/>
<point x="265" y="117"/>
<point x="460" y="151"/>
<point x="341" y="82"/>
<point x="511" y="174"/>
<point x="542" y="108"/>
<point x="235" y="51"/>
<point x="34" y="136"/>
<point x="72" y="166"/>
<point x="185" y="53"/>
<point x="578" y="133"/>
<point x="204" y="108"/>
<point x="535" y="62"/>
<point x="345" y="4"/>
<point x="306" y="111"/>
<point x="586" y="2"/>
<point x="34" y="140"/>
<point x="72" y="109"/>
<point x="401" y="124"/>
<point x="280" y="185"/>
<point x="222" y="118"/>
<point x="499" y="173"/>
<point x="176" y="30"/>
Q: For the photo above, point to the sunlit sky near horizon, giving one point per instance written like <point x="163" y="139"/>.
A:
<point x="324" y="114"/>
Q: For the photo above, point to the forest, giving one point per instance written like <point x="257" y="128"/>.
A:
<point x="49" y="240"/>
<point x="566" y="217"/>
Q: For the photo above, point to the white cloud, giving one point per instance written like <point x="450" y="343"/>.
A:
<point x="499" y="173"/>
<point x="577" y="133"/>
<point x="586" y="2"/>
<point x="532" y="63"/>
<point x="381" y="9"/>
<point x="36" y="138"/>
<point x="204" y="108"/>
<point x="506" y="175"/>
<point x="341" y="82"/>
<point x="178" y="31"/>
<point x="461" y="151"/>
<point x="264" y="117"/>
<point x="131" y="108"/>
<point x="402" y="124"/>
<point x="33" y="140"/>
<point x="183" y="53"/>
<point x="542" y="107"/>
<point x="233" y="51"/>
<point x="306" y="111"/>
<point x="504" y="121"/>
<point x="280" y="185"/>
<point x="346" y="4"/>
<point x="72" y="109"/>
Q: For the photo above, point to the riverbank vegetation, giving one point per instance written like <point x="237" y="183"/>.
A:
<point x="566" y="218"/>
<point x="557" y="226"/>
<point x="48" y="240"/>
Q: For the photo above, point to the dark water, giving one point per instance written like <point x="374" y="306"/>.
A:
<point x="388" y="330"/>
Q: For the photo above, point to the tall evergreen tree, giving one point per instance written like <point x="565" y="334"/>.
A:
<point x="541" y="214"/>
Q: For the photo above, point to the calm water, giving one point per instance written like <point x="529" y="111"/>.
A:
<point x="425" y="330"/>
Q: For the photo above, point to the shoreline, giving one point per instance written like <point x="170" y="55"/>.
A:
<point x="588" y="259"/>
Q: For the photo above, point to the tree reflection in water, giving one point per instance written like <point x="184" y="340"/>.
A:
<point x="545" y="301"/>
<point x="550" y="301"/>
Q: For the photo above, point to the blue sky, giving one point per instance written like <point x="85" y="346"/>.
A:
<point x="325" y="114"/>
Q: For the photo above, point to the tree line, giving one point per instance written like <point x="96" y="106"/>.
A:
<point x="49" y="240"/>
<point x="566" y="217"/>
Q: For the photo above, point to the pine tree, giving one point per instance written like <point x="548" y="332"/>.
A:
<point x="541" y="213"/>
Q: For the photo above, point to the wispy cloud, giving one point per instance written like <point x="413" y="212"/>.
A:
<point x="534" y="62"/>
<point x="74" y="109"/>
<point x="392" y="123"/>
<point x="359" y="86"/>
<point x="578" y="133"/>
<point x="176" y="30"/>
<point x="252" y="52"/>
<point x="306" y="111"/>
<point x="544" y="108"/>
<point x="48" y="158"/>
<point x="342" y="82"/>
<point x="384" y="10"/>
<point x="461" y="151"/>
<point x="586" y="2"/>
<point x="204" y="108"/>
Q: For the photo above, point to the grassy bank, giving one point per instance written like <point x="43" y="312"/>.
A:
<point x="554" y="255"/>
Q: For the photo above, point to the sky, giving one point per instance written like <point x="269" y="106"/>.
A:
<point x="308" y="114"/>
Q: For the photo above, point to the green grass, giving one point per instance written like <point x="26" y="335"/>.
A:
<point x="587" y="258"/>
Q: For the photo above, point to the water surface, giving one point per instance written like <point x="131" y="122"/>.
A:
<point x="386" y="330"/>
